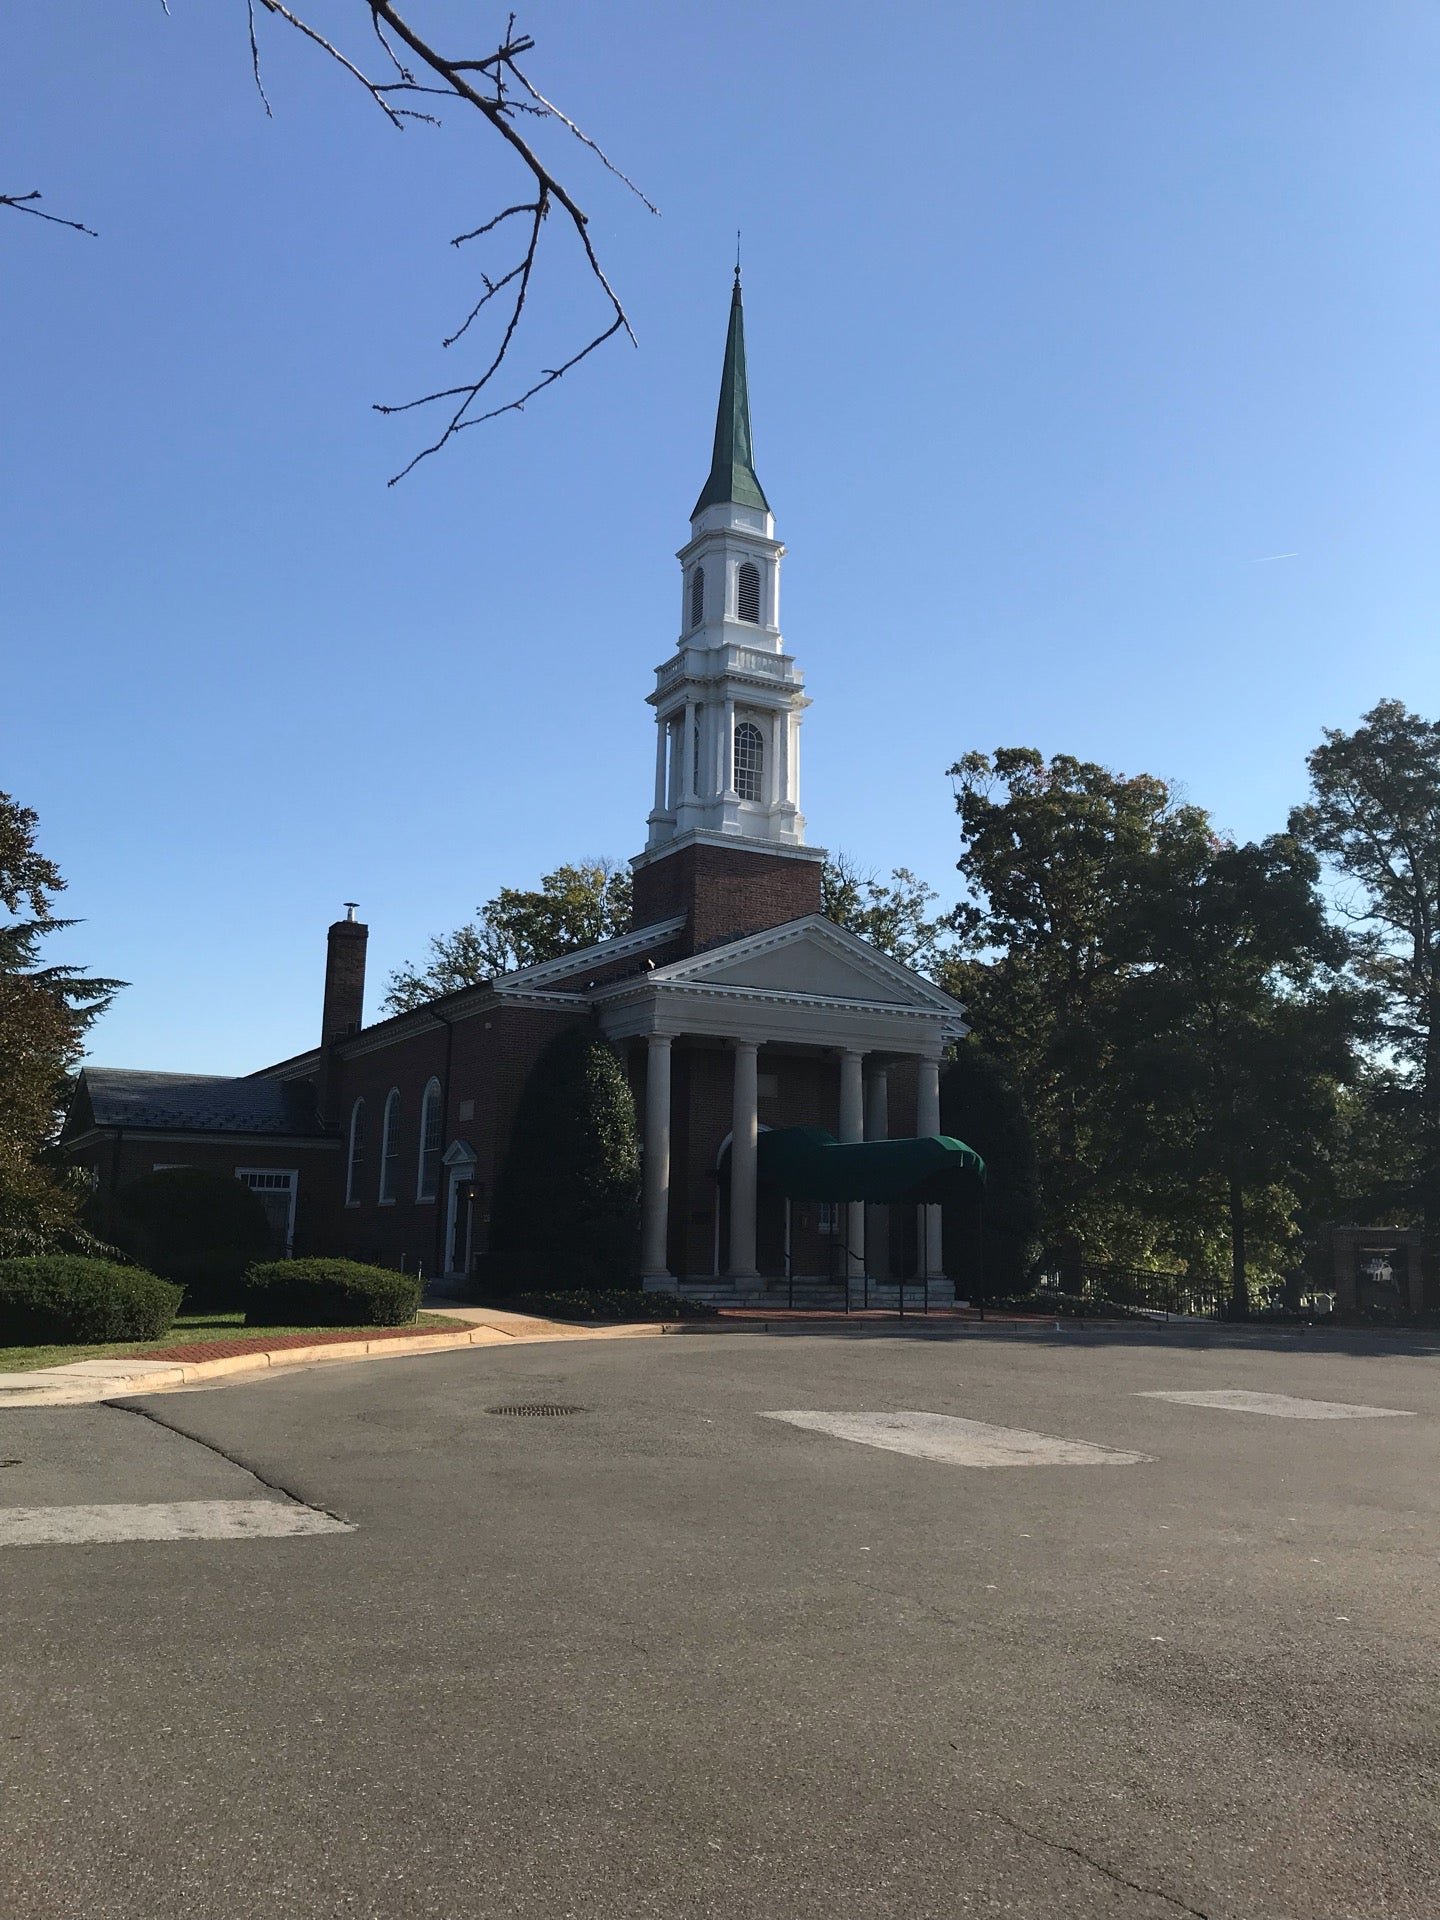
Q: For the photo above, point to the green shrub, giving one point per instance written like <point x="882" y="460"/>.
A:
<point x="200" y="1229"/>
<point x="611" y="1303"/>
<point x="1064" y="1306"/>
<point x="66" y="1299"/>
<point x="569" y="1189"/>
<point x="329" y="1293"/>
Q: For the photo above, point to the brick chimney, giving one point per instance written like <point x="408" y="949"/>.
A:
<point x="344" y="977"/>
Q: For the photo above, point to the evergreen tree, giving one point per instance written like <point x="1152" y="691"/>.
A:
<point x="979" y="1106"/>
<point x="44" y="1014"/>
<point x="569" y="1190"/>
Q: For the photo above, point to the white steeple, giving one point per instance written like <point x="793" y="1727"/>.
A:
<point x="728" y="701"/>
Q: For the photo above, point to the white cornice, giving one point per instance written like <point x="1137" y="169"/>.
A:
<point x="705" y="837"/>
<point x="621" y="947"/>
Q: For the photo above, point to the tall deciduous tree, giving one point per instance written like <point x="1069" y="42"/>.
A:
<point x="895" y="915"/>
<point x="1049" y="856"/>
<point x="1231" y="1028"/>
<point x="1374" y="812"/>
<point x="576" y="906"/>
<point x="44" y="1012"/>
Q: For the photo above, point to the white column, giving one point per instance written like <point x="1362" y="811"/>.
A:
<point x="687" y="754"/>
<point x="927" y="1121"/>
<point x="877" y="1127"/>
<point x="787" y="722"/>
<point x="656" y="1165"/>
<point x="744" y="1138"/>
<point x="727" y="749"/>
<point x="661" y="729"/>
<point x="774" y="792"/>
<point x="852" y="1127"/>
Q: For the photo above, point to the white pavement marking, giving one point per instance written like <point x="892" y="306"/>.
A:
<point x="958" y="1443"/>
<point x="1281" y="1406"/>
<point x="163" y="1520"/>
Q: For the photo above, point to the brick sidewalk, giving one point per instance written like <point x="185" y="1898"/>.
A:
<point x="276" y="1343"/>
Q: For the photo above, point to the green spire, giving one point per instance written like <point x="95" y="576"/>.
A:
<point x="732" y="476"/>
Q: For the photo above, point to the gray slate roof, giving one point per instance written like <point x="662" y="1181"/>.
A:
<point x="199" y="1102"/>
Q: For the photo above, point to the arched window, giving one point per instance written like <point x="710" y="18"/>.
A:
<point x="430" y="1122"/>
<point x="747" y="593"/>
<point x="695" y="755"/>
<point x="697" y="596"/>
<point x="749" y="760"/>
<point x="355" y="1163"/>
<point x="390" y="1147"/>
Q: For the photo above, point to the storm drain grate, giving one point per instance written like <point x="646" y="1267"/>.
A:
<point x="537" y="1408"/>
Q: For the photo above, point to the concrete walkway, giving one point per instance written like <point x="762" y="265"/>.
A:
<point x="83" y="1382"/>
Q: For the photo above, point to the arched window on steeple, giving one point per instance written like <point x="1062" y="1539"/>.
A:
<point x="747" y="593"/>
<point x="749" y="760"/>
<point x="695" y="754"/>
<point x="697" y="596"/>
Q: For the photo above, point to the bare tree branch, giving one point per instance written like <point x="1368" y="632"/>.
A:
<point x="460" y="79"/>
<point x="514" y="95"/>
<point x="21" y="203"/>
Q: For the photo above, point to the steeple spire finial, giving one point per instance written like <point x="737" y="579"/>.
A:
<point x="732" y="471"/>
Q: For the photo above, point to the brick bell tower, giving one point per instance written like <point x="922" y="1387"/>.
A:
<point x="727" y="839"/>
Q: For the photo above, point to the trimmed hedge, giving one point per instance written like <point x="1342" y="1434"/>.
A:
<point x="610" y="1303"/>
<point x="198" y="1228"/>
<point x="329" y="1293"/>
<point x="68" y="1300"/>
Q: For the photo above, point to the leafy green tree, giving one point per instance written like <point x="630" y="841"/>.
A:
<point x="1231" y="1029"/>
<point x="568" y="1193"/>
<point x="1049" y="858"/>
<point x="576" y="906"/>
<point x="894" y="916"/>
<point x="979" y="1106"/>
<point x="1374" y="814"/>
<point x="44" y="1014"/>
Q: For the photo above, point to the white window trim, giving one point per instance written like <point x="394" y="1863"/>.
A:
<point x="292" y="1174"/>
<point x="422" y="1198"/>
<point x="352" y="1199"/>
<point x="389" y="1117"/>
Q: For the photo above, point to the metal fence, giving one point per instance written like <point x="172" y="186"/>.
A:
<point x="1166" y="1296"/>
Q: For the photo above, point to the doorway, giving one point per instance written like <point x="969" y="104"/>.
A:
<point x="460" y="1222"/>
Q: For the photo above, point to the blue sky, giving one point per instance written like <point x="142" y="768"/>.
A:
<point x="1063" y="317"/>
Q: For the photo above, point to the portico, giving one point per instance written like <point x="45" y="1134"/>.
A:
<point x="827" y="1026"/>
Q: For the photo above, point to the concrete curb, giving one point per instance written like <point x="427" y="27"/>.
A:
<point x="84" y="1382"/>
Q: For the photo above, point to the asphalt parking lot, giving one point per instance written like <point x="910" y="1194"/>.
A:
<point x="664" y="1655"/>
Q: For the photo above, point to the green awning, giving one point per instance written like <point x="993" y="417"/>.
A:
<point x="806" y="1163"/>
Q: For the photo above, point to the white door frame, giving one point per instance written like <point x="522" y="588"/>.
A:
<point x="459" y="1163"/>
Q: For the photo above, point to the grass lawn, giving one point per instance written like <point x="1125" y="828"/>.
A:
<point x="190" y="1329"/>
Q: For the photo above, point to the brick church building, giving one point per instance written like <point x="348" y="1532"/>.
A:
<point x="739" y="1008"/>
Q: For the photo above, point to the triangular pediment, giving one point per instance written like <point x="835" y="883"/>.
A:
<point x="811" y="957"/>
